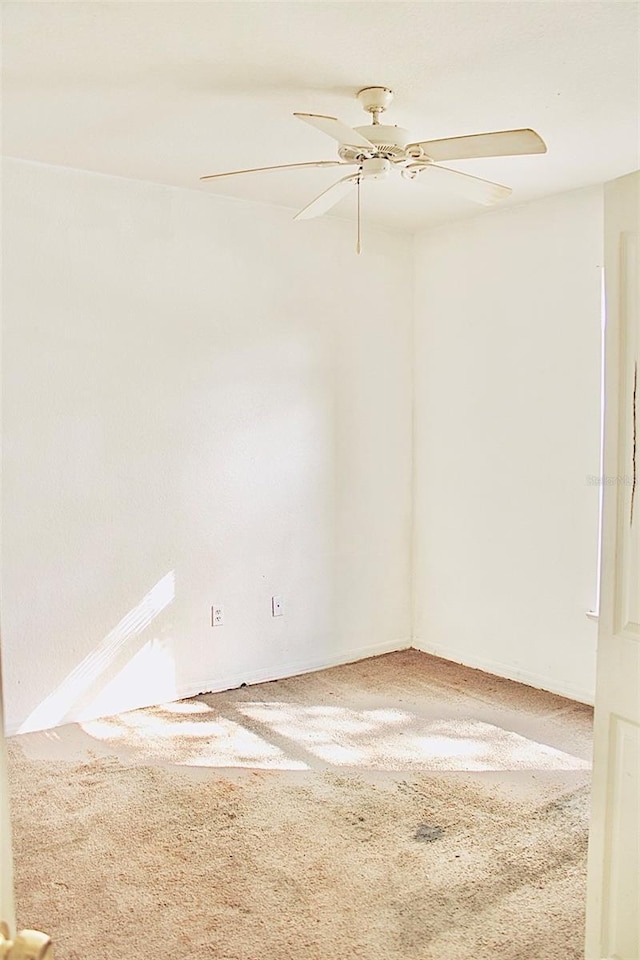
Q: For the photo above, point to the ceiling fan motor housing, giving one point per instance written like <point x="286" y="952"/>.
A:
<point x="388" y="138"/>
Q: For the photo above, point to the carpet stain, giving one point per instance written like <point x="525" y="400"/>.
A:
<point x="427" y="834"/>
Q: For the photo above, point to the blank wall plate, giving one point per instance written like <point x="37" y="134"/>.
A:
<point x="277" y="607"/>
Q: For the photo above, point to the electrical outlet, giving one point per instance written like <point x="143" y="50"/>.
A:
<point x="217" y="616"/>
<point x="277" y="607"/>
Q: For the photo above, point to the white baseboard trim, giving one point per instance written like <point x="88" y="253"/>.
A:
<point x="292" y="668"/>
<point x="192" y="688"/>
<point x="508" y="672"/>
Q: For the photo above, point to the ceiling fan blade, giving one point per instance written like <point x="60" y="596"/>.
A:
<point x="504" y="143"/>
<point x="328" y="198"/>
<point x="281" y="166"/>
<point x="482" y="191"/>
<point x="335" y="128"/>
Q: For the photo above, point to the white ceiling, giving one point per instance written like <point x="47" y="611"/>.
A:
<point x="167" y="92"/>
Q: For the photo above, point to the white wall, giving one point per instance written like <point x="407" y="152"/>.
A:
<point x="507" y="385"/>
<point x="203" y="403"/>
<point x="207" y="403"/>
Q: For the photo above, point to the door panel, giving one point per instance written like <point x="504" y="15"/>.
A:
<point x="613" y="897"/>
<point x="627" y="557"/>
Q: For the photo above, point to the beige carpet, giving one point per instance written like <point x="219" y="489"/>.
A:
<point x="401" y="808"/>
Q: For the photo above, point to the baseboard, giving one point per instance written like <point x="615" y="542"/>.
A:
<point x="507" y="671"/>
<point x="292" y="668"/>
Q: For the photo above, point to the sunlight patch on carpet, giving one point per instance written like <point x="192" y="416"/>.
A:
<point x="390" y="740"/>
<point x="285" y="736"/>
<point x="212" y="742"/>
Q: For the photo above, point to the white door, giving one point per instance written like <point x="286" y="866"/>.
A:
<point x="613" y="900"/>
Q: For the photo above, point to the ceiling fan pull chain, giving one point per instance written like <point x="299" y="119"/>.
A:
<point x="358" y="242"/>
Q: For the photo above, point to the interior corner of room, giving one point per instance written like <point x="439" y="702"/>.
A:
<point x="401" y="455"/>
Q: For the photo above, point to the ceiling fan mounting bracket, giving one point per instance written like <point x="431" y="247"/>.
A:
<point x="375" y="100"/>
<point x="413" y="170"/>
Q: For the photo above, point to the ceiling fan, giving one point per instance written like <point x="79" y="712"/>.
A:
<point x="374" y="150"/>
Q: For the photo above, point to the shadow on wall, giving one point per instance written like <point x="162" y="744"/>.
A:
<point x="95" y="680"/>
<point x="285" y="736"/>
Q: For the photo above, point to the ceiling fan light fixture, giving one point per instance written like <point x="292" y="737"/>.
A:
<point x="376" y="168"/>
